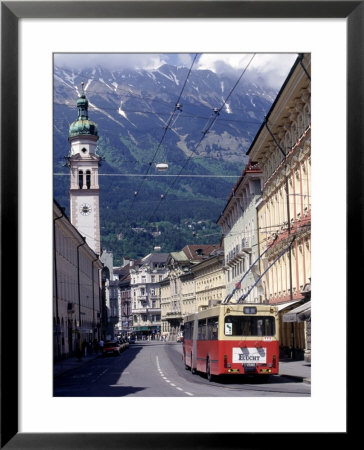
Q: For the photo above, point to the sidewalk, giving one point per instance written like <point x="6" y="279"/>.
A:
<point x="301" y="370"/>
<point x="60" y="367"/>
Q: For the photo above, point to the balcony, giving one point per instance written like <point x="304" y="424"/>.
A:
<point x="173" y="315"/>
<point x="139" y="311"/>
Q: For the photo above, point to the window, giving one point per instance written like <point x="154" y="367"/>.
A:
<point x="250" y="326"/>
<point x="188" y="330"/>
<point x="212" y="328"/>
<point x="80" y="178"/>
<point x="201" y="330"/>
<point x="88" y="179"/>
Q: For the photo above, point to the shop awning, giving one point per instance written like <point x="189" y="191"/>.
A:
<point x="299" y="314"/>
<point x="282" y="306"/>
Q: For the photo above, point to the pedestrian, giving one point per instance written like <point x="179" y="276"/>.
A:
<point x="101" y="345"/>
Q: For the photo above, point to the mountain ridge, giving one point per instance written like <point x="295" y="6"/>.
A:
<point x="132" y="109"/>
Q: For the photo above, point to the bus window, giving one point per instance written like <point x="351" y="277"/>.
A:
<point x="201" y="330"/>
<point x="249" y="326"/>
<point x="212" y="328"/>
<point x="187" y="331"/>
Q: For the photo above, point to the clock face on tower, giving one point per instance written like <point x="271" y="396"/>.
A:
<point x="85" y="209"/>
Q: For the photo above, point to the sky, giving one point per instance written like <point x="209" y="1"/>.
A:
<point x="271" y="67"/>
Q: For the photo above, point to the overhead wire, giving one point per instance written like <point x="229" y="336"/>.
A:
<point x="176" y="108"/>
<point x="204" y="133"/>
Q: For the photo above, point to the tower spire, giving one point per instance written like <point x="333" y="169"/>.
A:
<point x="82" y="126"/>
<point x="82" y="105"/>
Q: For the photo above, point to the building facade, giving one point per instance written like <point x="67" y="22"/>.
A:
<point x="282" y="148"/>
<point x="76" y="288"/>
<point x="146" y="275"/>
<point x="178" y="291"/>
<point x="125" y="324"/>
<point x="239" y="226"/>
<point x="209" y="281"/>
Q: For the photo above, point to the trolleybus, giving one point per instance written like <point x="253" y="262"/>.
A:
<point x="232" y="339"/>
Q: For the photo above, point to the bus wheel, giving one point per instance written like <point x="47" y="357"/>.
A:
<point x="208" y="373"/>
<point x="193" y="370"/>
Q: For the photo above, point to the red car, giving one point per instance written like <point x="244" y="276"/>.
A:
<point x="111" y="348"/>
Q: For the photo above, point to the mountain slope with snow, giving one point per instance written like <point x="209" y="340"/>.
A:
<point x="140" y="124"/>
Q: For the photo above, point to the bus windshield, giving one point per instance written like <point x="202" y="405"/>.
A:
<point x="249" y="326"/>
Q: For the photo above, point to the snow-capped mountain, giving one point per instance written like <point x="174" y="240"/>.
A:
<point x="135" y="105"/>
<point x="143" y="119"/>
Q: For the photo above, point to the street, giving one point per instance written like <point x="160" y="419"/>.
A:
<point x="156" y="369"/>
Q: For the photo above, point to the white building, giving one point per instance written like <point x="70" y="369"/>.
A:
<point x="240" y="230"/>
<point x="145" y="277"/>
<point x="76" y="288"/>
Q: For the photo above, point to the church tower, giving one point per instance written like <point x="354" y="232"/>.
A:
<point x="84" y="165"/>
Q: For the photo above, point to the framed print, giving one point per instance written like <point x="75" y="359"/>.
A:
<point x="31" y="32"/>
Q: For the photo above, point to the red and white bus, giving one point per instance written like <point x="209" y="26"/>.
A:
<point x="232" y="339"/>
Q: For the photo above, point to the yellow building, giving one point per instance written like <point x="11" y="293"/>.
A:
<point x="282" y="148"/>
<point x="178" y="291"/>
<point x="209" y="281"/>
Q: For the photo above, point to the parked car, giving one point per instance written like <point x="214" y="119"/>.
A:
<point x="131" y="339"/>
<point x="111" y="348"/>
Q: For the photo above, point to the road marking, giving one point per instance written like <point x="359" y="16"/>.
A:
<point x="100" y="375"/>
<point x="168" y="381"/>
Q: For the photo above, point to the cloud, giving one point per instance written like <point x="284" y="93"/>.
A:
<point x="111" y="61"/>
<point x="270" y="69"/>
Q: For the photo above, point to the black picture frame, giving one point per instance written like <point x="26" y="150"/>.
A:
<point x="11" y="12"/>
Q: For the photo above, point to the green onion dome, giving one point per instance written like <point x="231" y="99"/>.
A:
<point x="82" y="126"/>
